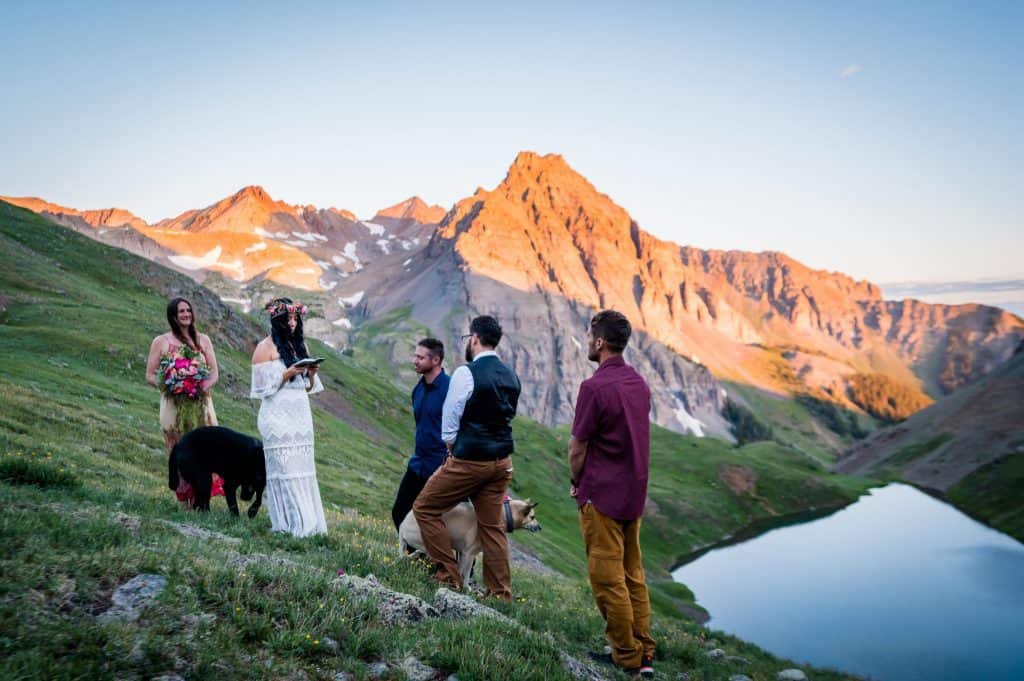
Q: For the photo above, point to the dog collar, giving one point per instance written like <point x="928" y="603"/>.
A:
<point x="509" y="525"/>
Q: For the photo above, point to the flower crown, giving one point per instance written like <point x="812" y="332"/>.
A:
<point x="280" y="307"/>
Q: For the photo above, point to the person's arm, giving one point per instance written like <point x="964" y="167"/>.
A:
<point x="211" y="361"/>
<point x="583" y="427"/>
<point x="577" y="455"/>
<point x="153" y="362"/>
<point x="460" y="389"/>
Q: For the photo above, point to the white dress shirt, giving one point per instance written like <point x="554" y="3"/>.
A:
<point x="460" y="389"/>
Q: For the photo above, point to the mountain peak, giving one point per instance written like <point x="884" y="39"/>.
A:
<point x="252" y="192"/>
<point x="99" y="218"/>
<point x="414" y="208"/>
<point x="533" y="160"/>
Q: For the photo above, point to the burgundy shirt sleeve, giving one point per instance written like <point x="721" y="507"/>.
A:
<point x="584" y="424"/>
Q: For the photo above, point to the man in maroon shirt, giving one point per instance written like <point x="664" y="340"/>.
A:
<point x="609" y="454"/>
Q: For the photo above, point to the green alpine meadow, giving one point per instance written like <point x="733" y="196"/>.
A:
<point x="85" y="508"/>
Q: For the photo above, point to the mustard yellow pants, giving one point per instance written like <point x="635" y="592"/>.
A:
<point x="617" y="580"/>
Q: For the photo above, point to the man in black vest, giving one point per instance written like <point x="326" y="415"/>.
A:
<point x="476" y="426"/>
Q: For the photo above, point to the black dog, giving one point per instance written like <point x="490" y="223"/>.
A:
<point x="235" y="457"/>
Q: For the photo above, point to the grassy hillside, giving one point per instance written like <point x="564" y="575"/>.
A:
<point x="995" y="494"/>
<point x="85" y="505"/>
<point x="968" y="445"/>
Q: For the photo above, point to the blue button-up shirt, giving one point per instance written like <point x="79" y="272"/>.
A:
<point x="427" y="407"/>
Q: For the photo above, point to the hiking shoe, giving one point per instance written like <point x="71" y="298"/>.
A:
<point x="606" y="658"/>
<point x="647" y="667"/>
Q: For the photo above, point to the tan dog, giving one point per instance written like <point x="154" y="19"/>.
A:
<point x="462" y="529"/>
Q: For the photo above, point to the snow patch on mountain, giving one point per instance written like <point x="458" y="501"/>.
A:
<point x="192" y="262"/>
<point x="353" y="299"/>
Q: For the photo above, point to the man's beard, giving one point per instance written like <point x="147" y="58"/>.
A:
<point x="469" y="350"/>
<point x="592" y="354"/>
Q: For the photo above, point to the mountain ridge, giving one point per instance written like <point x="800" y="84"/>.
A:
<point x="546" y="249"/>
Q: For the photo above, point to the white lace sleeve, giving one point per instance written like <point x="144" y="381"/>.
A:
<point x="266" y="379"/>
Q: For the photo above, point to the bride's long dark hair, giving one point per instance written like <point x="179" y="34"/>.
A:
<point x="291" y="346"/>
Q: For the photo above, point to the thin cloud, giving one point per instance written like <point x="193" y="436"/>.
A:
<point x="851" y="70"/>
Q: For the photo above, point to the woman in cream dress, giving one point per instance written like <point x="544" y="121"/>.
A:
<point x="181" y="320"/>
<point x="286" y="422"/>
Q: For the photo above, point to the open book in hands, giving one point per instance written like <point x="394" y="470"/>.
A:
<point x="309" y="362"/>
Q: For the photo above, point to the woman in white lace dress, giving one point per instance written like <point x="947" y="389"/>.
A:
<point x="286" y="423"/>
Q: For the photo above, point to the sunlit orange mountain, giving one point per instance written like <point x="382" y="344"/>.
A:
<point x="757" y="318"/>
<point x="409" y="212"/>
<point x="249" y="235"/>
<point x="543" y="250"/>
<point x="105" y="218"/>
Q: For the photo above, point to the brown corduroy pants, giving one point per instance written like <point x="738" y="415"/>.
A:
<point x="617" y="579"/>
<point x="485" y="483"/>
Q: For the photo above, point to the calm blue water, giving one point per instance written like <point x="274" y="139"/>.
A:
<point x="898" y="586"/>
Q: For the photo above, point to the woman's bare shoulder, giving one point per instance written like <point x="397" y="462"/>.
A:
<point x="162" y="338"/>
<point x="264" y="351"/>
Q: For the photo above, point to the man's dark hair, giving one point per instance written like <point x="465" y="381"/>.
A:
<point x="487" y="329"/>
<point x="434" y="347"/>
<point x="613" y="327"/>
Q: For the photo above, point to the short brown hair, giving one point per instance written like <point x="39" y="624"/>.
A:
<point x="613" y="327"/>
<point x="433" y="346"/>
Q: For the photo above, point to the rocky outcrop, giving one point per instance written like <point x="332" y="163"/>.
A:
<point x="132" y="597"/>
<point x="393" y="607"/>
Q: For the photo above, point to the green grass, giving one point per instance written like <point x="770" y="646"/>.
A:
<point x="892" y="467"/>
<point x="995" y="494"/>
<point x="85" y="504"/>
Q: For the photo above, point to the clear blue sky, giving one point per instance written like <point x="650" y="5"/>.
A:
<point x="882" y="140"/>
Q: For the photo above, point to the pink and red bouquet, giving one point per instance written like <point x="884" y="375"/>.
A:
<point x="182" y="373"/>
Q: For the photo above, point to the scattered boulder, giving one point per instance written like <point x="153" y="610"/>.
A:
<point x="330" y="645"/>
<point x="739" y="677"/>
<point x="459" y="606"/>
<point x="791" y="675"/>
<point x="168" y="677"/>
<point x="128" y="522"/>
<point x="579" y="670"/>
<point x="190" y="530"/>
<point x="715" y="654"/>
<point x="131" y="597"/>
<point x="451" y="604"/>
<point x="239" y="560"/>
<point x="417" y="671"/>
<point x="377" y="670"/>
<point x="344" y="676"/>
<point x="393" y="607"/>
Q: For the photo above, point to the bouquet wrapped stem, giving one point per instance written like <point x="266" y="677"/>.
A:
<point x="181" y="374"/>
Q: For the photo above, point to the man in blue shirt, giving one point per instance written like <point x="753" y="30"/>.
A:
<point x="427" y="402"/>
